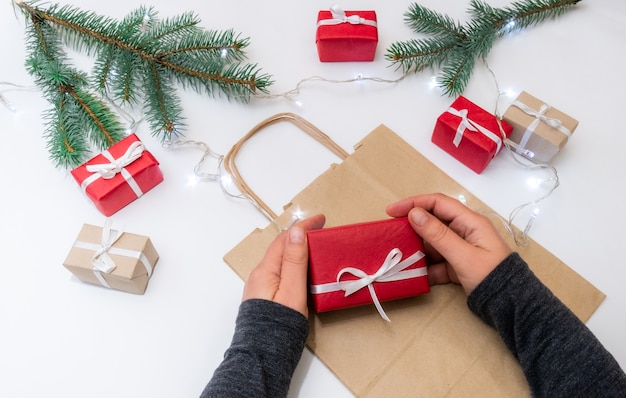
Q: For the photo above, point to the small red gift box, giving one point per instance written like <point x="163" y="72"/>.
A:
<point x="119" y="175"/>
<point x="470" y="134"/>
<point x="366" y="263"/>
<point x="344" y="36"/>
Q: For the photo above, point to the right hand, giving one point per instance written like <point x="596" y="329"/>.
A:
<point x="461" y="245"/>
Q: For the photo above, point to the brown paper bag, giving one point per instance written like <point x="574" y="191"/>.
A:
<point x="434" y="346"/>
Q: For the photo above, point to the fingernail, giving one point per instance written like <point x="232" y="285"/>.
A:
<point x="419" y="217"/>
<point x="296" y="235"/>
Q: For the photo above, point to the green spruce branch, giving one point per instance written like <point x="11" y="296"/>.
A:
<point x="139" y="60"/>
<point x="455" y="48"/>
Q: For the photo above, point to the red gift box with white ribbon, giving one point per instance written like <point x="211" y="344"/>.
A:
<point x="470" y="134"/>
<point x="365" y="263"/>
<point x="344" y="36"/>
<point x="119" y="175"/>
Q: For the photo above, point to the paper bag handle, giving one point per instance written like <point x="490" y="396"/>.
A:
<point x="304" y="125"/>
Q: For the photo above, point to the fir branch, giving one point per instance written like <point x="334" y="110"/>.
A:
<point x="73" y="34"/>
<point x="457" y="71"/>
<point x="162" y="106"/>
<point x="103" y="127"/>
<point x="94" y="30"/>
<point x="465" y="43"/>
<point x="418" y="55"/>
<point x="139" y="58"/>
<point x="126" y="82"/>
<point x="172" y="29"/>
<point x="140" y="19"/>
<point x="64" y="87"/>
<point x="226" y="45"/>
<point x="480" y="38"/>
<point x="64" y="145"/>
<point x="423" y="20"/>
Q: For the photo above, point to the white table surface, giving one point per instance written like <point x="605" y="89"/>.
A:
<point x="60" y="337"/>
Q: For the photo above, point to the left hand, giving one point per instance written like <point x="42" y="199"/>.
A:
<point x="281" y="276"/>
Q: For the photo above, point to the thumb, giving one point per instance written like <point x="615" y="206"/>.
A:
<point x="292" y="288"/>
<point x="444" y="240"/>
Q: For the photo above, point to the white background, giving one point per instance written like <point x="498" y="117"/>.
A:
<point x="60" y="337"/>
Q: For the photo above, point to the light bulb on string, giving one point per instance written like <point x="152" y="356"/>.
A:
<point x="534" y="182"/>
<point x="433" y="82"/>
<point x="299" y="214"/>
<point x="297" y="102"/>
<point x="531" y="220"/>
<point x="509" y="26"/>
<point x="509" y="92"/>
<point x="226" y="182"/>
<point x="296" y="216"/>
<point x="144" y="22"/>
<point x="192" y="181"/>
<point x="224" y="53"/>
<point x="7" y="104"/>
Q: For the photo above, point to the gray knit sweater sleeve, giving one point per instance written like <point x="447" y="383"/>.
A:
<point x="267" y="345"/>
<point x="558" y="353"/>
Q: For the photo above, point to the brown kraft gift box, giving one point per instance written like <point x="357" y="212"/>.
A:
<point x="549" y="129"/>
<point x="134" y="258"/>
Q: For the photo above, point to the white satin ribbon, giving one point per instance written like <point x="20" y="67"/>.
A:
<point x="540" y="116"/>
<point x="110" y="170"/>
<point x="392" y="269"/>
<point x="467" y="124"/>
<point x="101" y="261"/>
<point x="339" y="17"/>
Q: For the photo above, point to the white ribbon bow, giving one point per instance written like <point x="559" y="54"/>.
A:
<point x="339" y="17"/>
<point x="467" y="124"/>
<point x="110" y="170"/>
<point x="392" y="269"/>
<point x="540" y="116"/>
<point x="101" y="260"/>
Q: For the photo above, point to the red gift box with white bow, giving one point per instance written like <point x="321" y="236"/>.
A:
<point x="470" y="134"/>
<point x="344" y="36"/>
<point x="119" y="175"/>
<point x="365" y="263"/>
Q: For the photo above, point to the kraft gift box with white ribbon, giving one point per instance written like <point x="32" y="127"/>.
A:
<point x="119" y="175"/>
<point x="112" y="258"/>
<point x="470" y="134"/>
<point x="539" y="130"/>
<point x="345" y="36"/>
